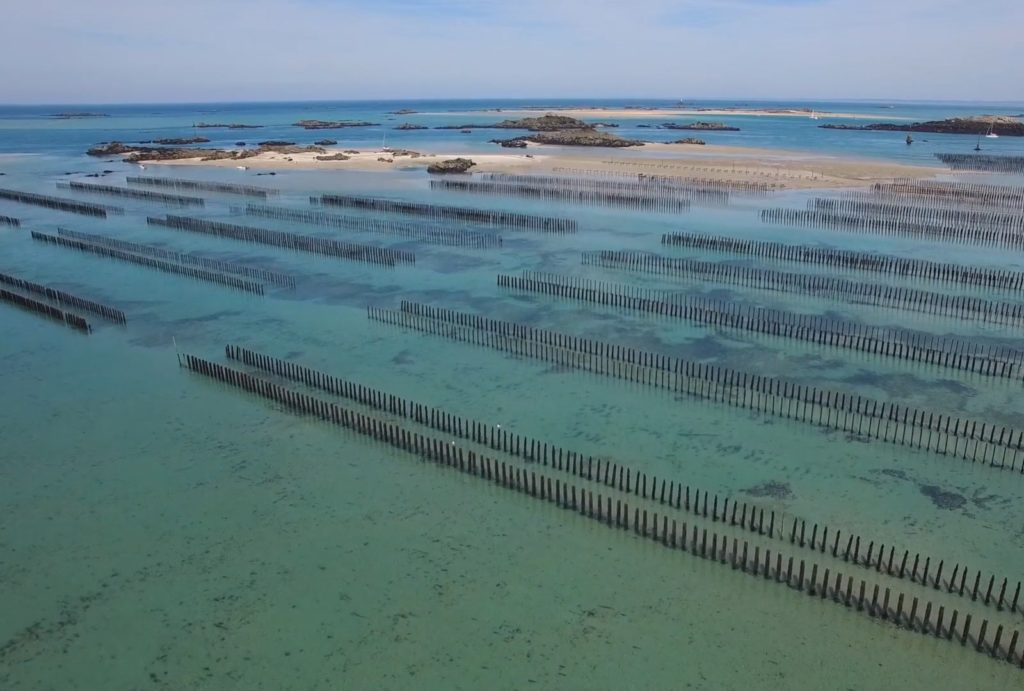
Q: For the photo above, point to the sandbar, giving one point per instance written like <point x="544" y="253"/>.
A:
<point x="779" y="169"/>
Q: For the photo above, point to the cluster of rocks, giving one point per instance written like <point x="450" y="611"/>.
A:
<point x="326" y="142"/>
<point x="580" y="137"/>
<point x="231" y="126"/>
<point x="690" y="140"/>
<point x="552" y="129"/>
<point x="333" y="157"/>
<point x="332" y="124"/>
<point x="700" y="125"/>
<point x="411" y="126"/>
<point x="454" y="165"/>
<point x="81" y="114"/>
<point x="544" y="123"/>
<point x="403" y="111"/>
<point x="178" y="141"/>
<point x="1003" y="126"/>
<point x="138" y="153"/>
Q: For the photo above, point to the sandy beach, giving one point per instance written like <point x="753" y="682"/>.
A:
<point x="596" y="112"/>
<point x="779" y="168"/>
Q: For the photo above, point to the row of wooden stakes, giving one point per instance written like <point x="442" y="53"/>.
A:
<point x="939" y="213"/>
<point x="369" y="254"/>
<point x="440" y="212"/>
<point x="65" y="298"/>
<point x="635" y="202"/>
<point x="895" y="343"/>
<point x="152" y="262"/>
<point x="638" y="186"/>
<point x="724" y="185"/>
<point x="127" y="192"/>
<point x="625" y="479"/>
<point x="433" y="235"/>
<point x="59" y="203"/>
<point x="965" y="307"/>
<point x="985" y="162"/>
<point x="809" y="579"/>
<point x="253" y="272"/>
<point x="942" y="272"/>
<point x="73" y="320"/>
<point x="990" y="444"/>
<point x="202" y="185"/>
<point x="977" y="193"/>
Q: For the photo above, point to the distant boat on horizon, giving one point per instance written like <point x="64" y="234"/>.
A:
<point x="814" y="116"/>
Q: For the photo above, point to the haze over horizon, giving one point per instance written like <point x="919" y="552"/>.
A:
<point x="273" y="50"/>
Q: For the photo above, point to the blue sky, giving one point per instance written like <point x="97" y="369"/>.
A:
<point x="63" y="51"/>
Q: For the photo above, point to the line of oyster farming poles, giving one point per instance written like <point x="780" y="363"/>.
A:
<point x="814" y="579"/>
<point x="979" y="214"/>
<point x="821" y="577"/>
<point x="895" y="343"/>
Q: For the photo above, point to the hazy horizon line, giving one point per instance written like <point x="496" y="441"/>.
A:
<point x="498" y="99"/>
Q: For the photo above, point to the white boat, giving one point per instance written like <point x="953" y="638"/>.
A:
<point x="814" y="116"/>
<point x="991" y="134"/>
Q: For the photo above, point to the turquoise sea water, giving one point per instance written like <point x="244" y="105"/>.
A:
<point x="158" y="530"/>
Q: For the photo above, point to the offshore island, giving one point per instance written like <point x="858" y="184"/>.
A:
<point x="552" y="140"/>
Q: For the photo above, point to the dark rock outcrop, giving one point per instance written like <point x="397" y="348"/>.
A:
<point x="454" y="165"/>
<point x="701" y="125"/>
<point x="544" y="123"/>
<point x="584" y="137"/>
<point x="275" y="142"/>
<point x="410" y="126"/>
<point x="1004" y="127"/>
<point x="690" y="140"/>
<point x="510" y="143"/>
<point x="137" y="154"/>
<point x="325" y="142"/>
<point x="111" y="149"/>
<point x="403" y="111"/>
<point x="333" y="157"/>
<point x="82" y="114"/>
<point x="332" y="124"/>
<point x="178" y="141"/>
<point x="280" y="149"/>
<point x="232" y="126"/>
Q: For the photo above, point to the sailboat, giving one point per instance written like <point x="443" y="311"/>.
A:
<point x="991" y="134"/>
<point x="814" y="116"/>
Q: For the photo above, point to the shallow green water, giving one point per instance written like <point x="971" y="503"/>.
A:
<point x="158" y="530"/>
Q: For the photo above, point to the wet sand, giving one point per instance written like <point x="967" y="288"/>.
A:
<point x="778" y="168"/>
